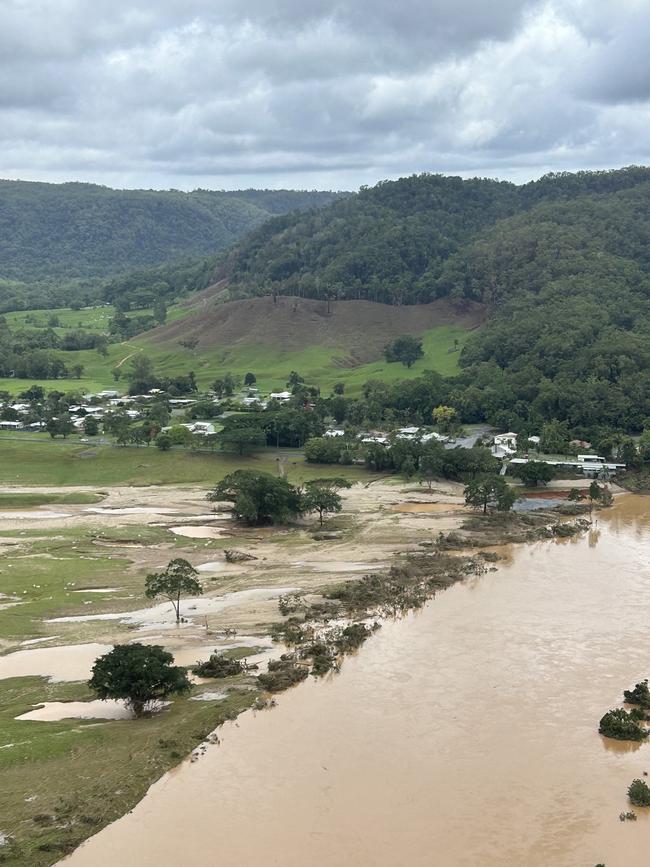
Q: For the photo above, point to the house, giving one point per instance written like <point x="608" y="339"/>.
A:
<point x="407" y="433"/>
<point x="535" y="440"/>
<point x="282" y="396"/>
<point x="505" y="445"/>
<point x="592" y="468"/>
<point x="105" y="395"/>
<point x="11" y="425"/>
<point x="202" y="428"/>
<point x="441" y="438"/>
<point x="334" y="432"/>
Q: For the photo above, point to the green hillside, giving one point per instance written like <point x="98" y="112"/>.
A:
<point x="390" y="242"/>
<point x="62" y="238"/>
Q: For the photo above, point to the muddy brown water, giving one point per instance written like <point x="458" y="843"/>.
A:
<point x="463" y="735"/>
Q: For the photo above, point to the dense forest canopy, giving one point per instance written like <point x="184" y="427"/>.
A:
<point x="391" y="242"/>
<point x="58" y="240"/>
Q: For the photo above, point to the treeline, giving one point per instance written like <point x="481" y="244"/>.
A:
<point x="32" y="354"/>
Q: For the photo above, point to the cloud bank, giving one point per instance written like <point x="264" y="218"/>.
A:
<point x="309" y="93"/>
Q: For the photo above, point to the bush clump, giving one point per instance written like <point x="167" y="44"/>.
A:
<point x="322" y="658"/>
<point x="352" y="637"/>
<point x="282" y="674"/>
<point x="639" y="695"/>
<point x="639" y="793"/>
<point x="622" y="726"/>
<point x="218" y="665"/>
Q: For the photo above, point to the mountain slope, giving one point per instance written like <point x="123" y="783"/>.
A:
<point x="51" y="232"/>
<point x="390" y="242"/>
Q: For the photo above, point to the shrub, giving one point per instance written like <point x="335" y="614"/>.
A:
<point x="639" y="793"/>
<point x="282" y="674"/>
<point x="218" y="666"/>
<point x="639" y="695"/>
<point x="619" y="724"/>
<point x="352" y="637"/>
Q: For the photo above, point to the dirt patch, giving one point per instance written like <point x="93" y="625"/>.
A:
<point x="361" y="328"/>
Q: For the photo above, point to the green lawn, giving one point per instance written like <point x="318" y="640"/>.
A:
<point x="56" y="462"/>
<point x="88" y="318"/>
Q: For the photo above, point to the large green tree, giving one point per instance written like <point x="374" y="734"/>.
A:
<point x="258" y="498"/>
<point x="534" y="472"/>
<point x="139" y="674"/>
<point x="482" y="491"/>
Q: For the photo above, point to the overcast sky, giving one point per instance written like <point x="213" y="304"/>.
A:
<point x="318" y="93"/>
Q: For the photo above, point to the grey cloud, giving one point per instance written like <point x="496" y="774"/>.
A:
<point x="318" y="92"/>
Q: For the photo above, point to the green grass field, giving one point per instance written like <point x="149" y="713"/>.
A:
<point x="319" y="365"/>
<point x="88" y="318"/>
<point x="56" y="462"/>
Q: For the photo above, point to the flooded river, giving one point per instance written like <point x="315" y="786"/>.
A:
<point x="462" y="736"/>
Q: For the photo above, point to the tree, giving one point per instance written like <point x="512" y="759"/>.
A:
<point x="445" y="417"/>
<point x="294" y="379"/>
<point x="241" y="439"/>
<point x="629" y="454"/>
<point x="430" y="466"/>
<point x="91" y="426"/>
<point x="258" y="498"/>
<point x="179" y="435"/>
<point x="163" y="441"/>
<point x="575" y="495"/>
<point x="320" y="495"/>
<point x="250" y="379"/>
<point x="483" y="490"/>
<point x="139" y="674"/>
<point x="324" y="450"/>
<point x="533" y="472"/>
<point x="176" y="579"/>
<point x="339" y="388"/>
<point x="595" y="492"/>
<point x="225" y="386"/>
<point x="406" y="349"/>
<point x="160" y="311"/>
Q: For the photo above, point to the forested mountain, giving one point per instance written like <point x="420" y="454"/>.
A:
<point x="562" y="263"/>
<point x="390" y="242"/>
<point x="61" y="238"/>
